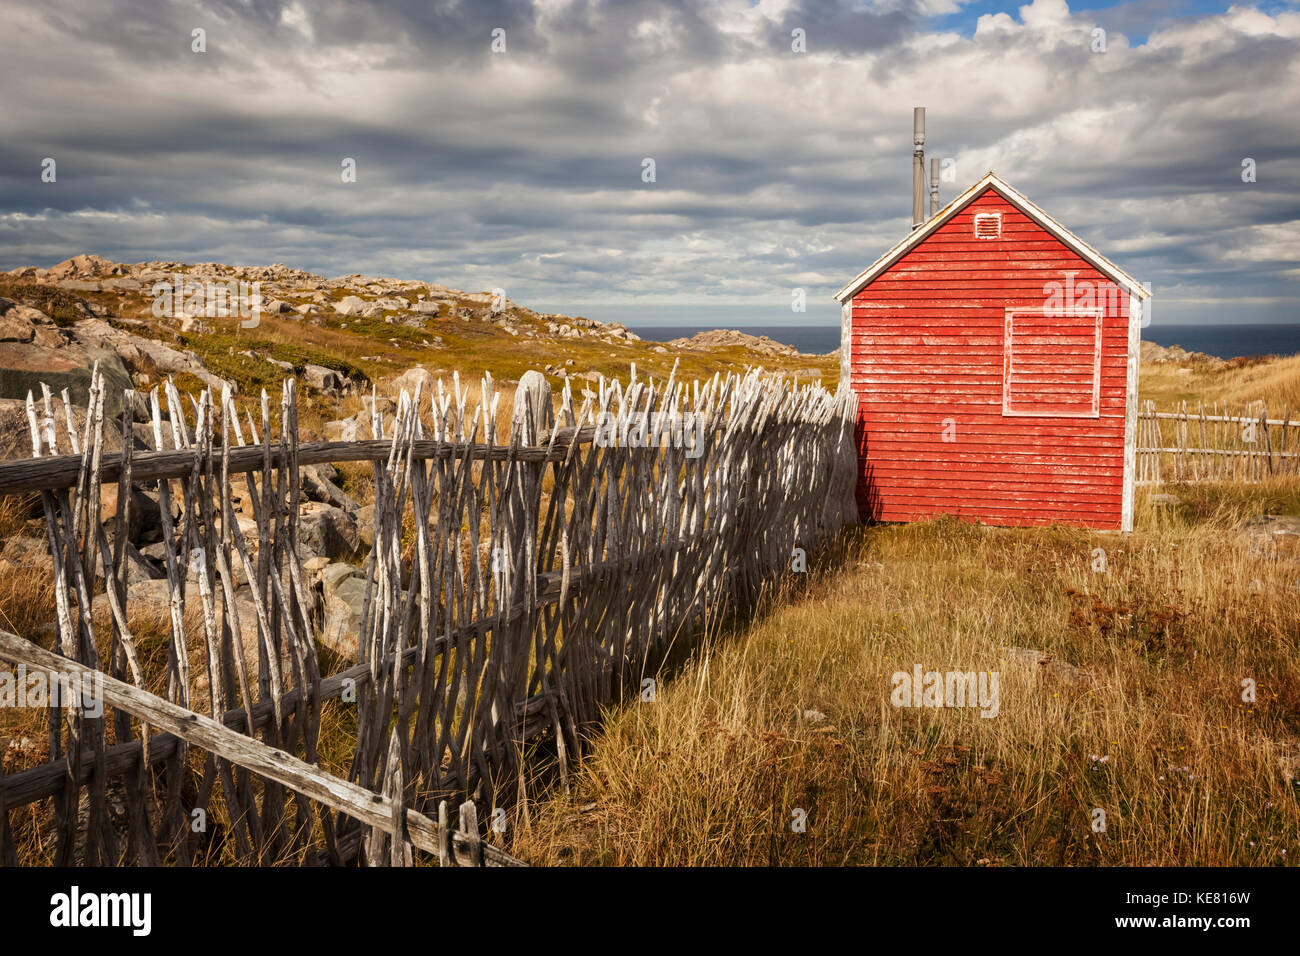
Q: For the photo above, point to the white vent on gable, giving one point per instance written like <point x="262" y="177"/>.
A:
<point x="988" y="225"/>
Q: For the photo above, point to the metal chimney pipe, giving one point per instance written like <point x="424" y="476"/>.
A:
<point x="934" y="186"/>
<point x="918" y="167"/>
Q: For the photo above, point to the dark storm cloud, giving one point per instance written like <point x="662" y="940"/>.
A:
<point x="844" y="28"/>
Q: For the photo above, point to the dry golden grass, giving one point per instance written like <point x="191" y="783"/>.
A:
<point x="25" y="598"/>
<point x="1275" y="381"/>
<point x="711" y="772"/>
<point x="1155" y="734"/>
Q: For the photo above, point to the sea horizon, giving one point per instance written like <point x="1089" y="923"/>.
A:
<point x="1221" y="341"/>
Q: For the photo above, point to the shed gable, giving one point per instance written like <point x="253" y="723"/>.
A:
<point x="1016" y="200"/>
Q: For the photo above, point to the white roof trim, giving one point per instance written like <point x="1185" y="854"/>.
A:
<point x="917" y="236"/>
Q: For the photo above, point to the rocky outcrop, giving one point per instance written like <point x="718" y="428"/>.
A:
<point x="282" y="290"/>
<point x="85" y="266"/>
<point x="24" y="324"/>
<point x="25" y="365"/>
<point x="1153" y="354"/>
<point x="731" y="338"/>
<point x="35" y="351"/>
<point x="144" y="354"/>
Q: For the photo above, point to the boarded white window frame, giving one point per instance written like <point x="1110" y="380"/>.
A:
<point x="996" y="217"/>
<point x="1008" y="366"/>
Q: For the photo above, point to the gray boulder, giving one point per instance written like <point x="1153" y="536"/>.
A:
<point x="381" y="403"/>
<point x="345" y="429"/>
<point x="321" y="378"/>
<point x="328" y="531"/>
<point x="411" y="378"/>
<point x="342" y="625"/>
<point x="135" y="350"/>
<point x="139" y="568"/>
<point x="25" y="365"/>
<point x="365" y="518"/>
<point x="318" y="486"/>
<point x="350" y="305"/>
<point x="333" y="576"/>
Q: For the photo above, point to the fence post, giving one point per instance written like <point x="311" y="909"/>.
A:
<point x="469" y="829"/>
<point x="516" y="592"/>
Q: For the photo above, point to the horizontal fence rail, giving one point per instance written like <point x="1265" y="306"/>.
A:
<point x="513" y="589"/>
<point x="1215" y="444"/>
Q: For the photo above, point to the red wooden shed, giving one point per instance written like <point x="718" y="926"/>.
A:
<point x="995" y="359"/>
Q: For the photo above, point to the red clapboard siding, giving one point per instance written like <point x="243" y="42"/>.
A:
<point x="974" y="400"/>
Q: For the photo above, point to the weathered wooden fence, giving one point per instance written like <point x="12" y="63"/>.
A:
<point x="511" y="592"/>
<point x="1215" y="444"/>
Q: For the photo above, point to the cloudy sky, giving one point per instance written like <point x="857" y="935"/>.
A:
<point x="774" y="169"/>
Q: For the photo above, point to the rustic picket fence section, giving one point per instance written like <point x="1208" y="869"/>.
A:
<point x="513" y="590"/>
<point x="1215" y="444"/>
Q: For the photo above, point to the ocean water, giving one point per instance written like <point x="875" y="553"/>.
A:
<point x="1227" y="341"/>
<point x="1224" y="341"/>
